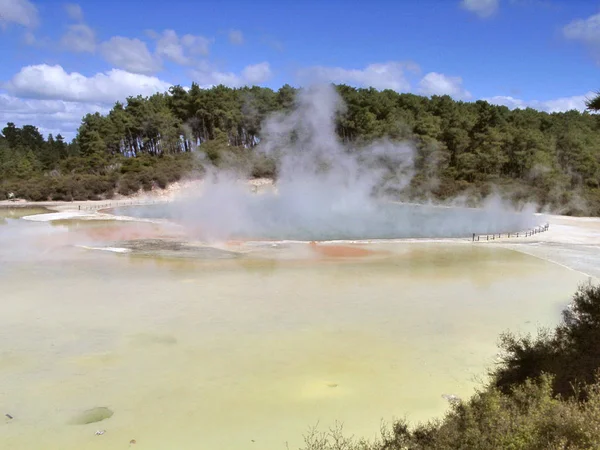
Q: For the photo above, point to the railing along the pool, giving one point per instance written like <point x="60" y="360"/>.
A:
<point x="526" y="233"/>
<point x="109" y="205"/>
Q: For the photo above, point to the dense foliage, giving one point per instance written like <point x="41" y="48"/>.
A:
<point x="545" y="394"/>
<point x="37" y="169"/>
<point x="464" y="147"/>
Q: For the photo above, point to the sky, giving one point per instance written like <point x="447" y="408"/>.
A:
<point x="62" y="60"/>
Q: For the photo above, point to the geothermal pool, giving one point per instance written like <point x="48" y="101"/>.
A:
<point x="249" y="350"/>
<point x="270" y="217"/>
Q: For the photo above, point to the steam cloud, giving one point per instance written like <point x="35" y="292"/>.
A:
<point x="328" y="190"/>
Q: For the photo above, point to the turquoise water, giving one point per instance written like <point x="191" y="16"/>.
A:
<point x="270" y="218"/>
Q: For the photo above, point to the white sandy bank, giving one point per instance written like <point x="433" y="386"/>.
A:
<point x="572" y="242"/>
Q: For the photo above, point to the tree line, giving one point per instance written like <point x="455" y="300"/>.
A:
<point x="465" y="147"/>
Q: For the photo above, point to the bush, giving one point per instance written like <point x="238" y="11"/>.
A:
<point x="570" y="353"/>
<point x="129" y="185"/>
<point x="125" y="175"/>
<point x="529" y="417"/>
<point x="544" y="395"/>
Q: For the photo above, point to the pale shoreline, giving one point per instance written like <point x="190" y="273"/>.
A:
<point x="141" y="198"/>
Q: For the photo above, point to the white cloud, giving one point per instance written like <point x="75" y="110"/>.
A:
<point x="206" y="75"/>
<point x="129" y="54"/>
<point x="567" y="103"/>
<point x="74" y="11"/>
<point x="214" y="78"/>
<point x="21" y="12"/>
<point x="79" y="38"/>
<point x="171" y="47"/>
<point x="508" y="101"/>
<point x="439" y="84"/>
<point x="482" y="8"/>
<point x="561" y="104"/>
<point x="257" y="73"/>
<point x="586" y="31"/>
<point x="50" y="116"/>
<point x="53" y="82"/>
<point x="236" y="37"/>
<point x="390" y="75"/>
<point x="196" y="45"/>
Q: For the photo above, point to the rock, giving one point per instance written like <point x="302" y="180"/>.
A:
<point x="92" y="416"/>
<point x="9" y="416"/>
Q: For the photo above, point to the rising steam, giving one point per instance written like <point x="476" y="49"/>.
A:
<point x="327" y="189"/>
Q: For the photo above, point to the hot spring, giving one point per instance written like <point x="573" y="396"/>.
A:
<point x="327" y="189"/>
<point x="270" y="218"/>
<point x="248" y="350"/>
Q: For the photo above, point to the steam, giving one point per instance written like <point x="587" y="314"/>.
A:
<point x="326" y="189"/>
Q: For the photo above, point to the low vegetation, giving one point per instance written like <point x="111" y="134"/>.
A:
<point x="544" y="394"/>
<point x="463" y="148"/>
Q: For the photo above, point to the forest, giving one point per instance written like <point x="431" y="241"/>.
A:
<point x="468" y="148"/>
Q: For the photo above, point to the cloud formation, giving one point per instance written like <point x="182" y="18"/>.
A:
<point x="481" y="8"/>
<point x="74" y="11"/>
<point x="562" y="104"/>
<point x="79" y="38"/>
<point x="389" y="75"/>
<point x="236" y="37"/>
<point x="435" y="83"/>
<point x="179" y="50"/>
<point x="257" y="73"/>
<point x="169" y="47"/>
<point x="207" y="75"/>
<point x="20" y="12"/>
<point x="129" y="54"/>
<point x="53" y="82"/>
<point x="50" y="116"/>
<point x="586" y="31"/>
<point x="132" y="54"/>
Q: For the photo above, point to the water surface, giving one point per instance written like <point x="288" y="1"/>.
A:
<point x="218" y="353"/>
<point x="270" y="217"/>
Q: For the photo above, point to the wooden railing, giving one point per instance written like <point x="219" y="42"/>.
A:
<point x="526" y="233"/>
<point x="117" y="204"/>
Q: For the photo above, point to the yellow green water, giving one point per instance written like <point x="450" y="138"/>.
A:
<point x="16" y="213"/>
<point x="249" y="352"/>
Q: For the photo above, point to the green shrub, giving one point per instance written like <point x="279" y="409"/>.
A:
<point x="570" y="353"/>
<point x="544" y="395"/>
<point x="129" y="185"/>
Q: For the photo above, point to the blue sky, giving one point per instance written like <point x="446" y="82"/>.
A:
<point x="61" y="60"/>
